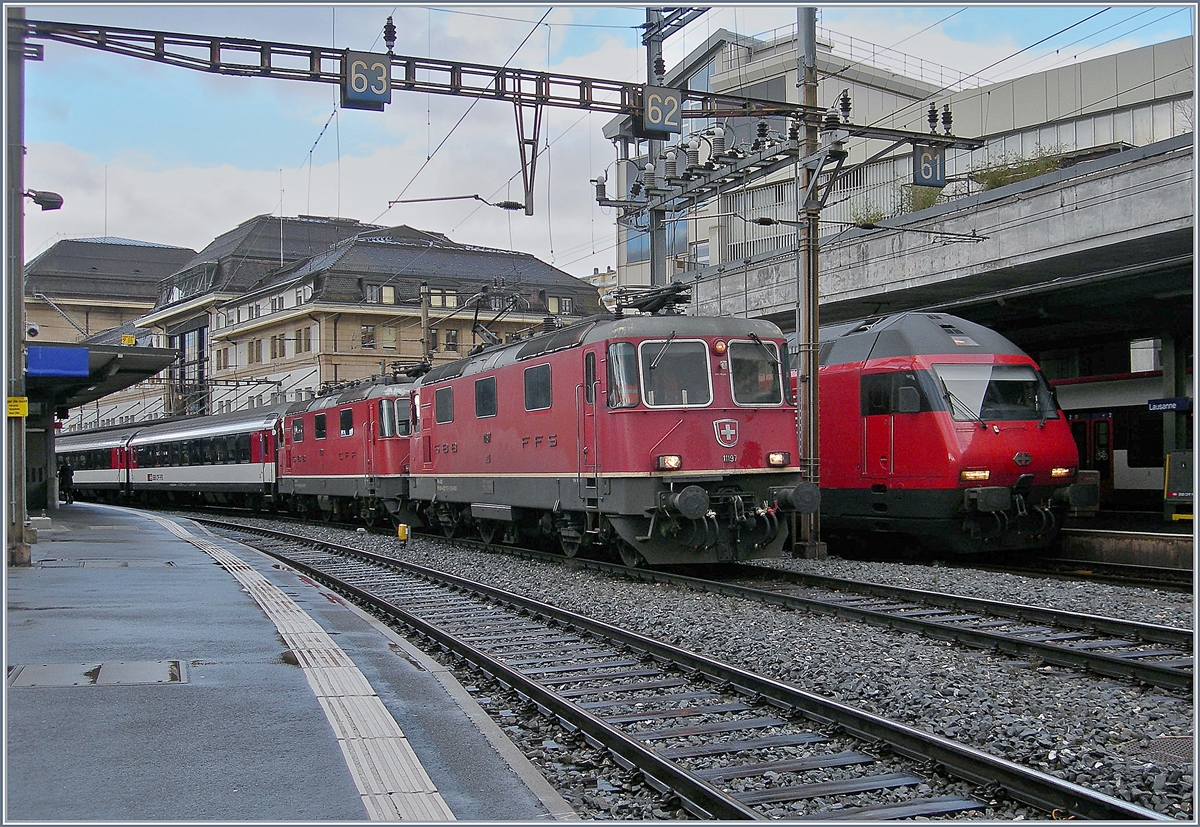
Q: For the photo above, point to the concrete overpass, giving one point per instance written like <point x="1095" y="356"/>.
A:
<point x="1098" y="252"/>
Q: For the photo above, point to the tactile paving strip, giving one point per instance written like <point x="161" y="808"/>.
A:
<point x="390" y="779"/>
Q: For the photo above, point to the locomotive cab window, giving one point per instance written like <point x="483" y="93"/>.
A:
<point x="443" y="405"/>
<point x="391" y="423"/>
<point x="754" y="372"/>
<point x="537" y="388"/>
<point x="346" y="422"/>
<point x="622" y="375"/>
<point x="319" y="426"/>
<point x="297" y="430"/>
<point x="895" y="392"/>
<point x="675" y="373"/>
<point x="996" y="392"/>
<point x="485" y="397"/>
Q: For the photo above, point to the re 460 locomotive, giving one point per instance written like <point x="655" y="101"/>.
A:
<point x="940" y="429"/>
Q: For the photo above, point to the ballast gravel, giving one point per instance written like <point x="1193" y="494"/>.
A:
<point x="1101" y="733"/>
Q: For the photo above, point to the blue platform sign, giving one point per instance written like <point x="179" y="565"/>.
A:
<point x="42" y="360"/>
<point x="1164" y="405"/>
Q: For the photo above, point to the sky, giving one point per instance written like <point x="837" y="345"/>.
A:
<point x="174" y="156"/>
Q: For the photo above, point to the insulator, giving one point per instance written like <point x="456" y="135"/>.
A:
<point x="718" y="141"/>
<point x="844" y="104"/>
<point x="636" y="189"/>
<point x="660" y="67"/>
<point x="648" y="177"/>
<point x="764" y="129"/>
<point x="600" y="180"/>
<point x="794" y="130"/>
<point x="831" y="120"/>
<point x="389" y="34"/>
<point x="670" y="165"/>
<point x="947" y="118"/>
<point x="932" y="117"/>
<point x="693" y="153"/>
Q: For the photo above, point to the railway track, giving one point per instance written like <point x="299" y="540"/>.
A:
<point x="1156" y="655"/>
<point x="1152" y="654"/>
<point x="728" y="743"/>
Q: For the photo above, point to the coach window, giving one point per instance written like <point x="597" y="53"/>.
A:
<point x="174" y="453"/>
<point x="319" y="426"/>
<point x="537" y="388"/>
<point x="297" y="430"/>
<point x="754" y="371"/>
<point x="676" y="373"/>
<point x="346" y="422"/>
<point x="622" y="375"/>
<point x="485" y="397"/>
<point x="222" y="452"/>
<point x="443" y="405"/>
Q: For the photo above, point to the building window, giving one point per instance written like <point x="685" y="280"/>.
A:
<point x="387" y="294"/>
<point x="276" y="303"/>
<point x="452" y="341"/>
<point x="299" y="296"/>
<point x="433" y="341"/>
<point x="443" y="298"/>
<point x="371" y="293"/>
<point x="558" y="305"/>
<point x="304" y="340"/>
<point x="254" y="351"/>
<point x="368" y="336"/>
<point x="388" y="337"/>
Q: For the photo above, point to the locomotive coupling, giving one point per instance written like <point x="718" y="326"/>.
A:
<point x="691" y="503"/>
<point x="992" y="498"/>
<point x="805" y="497"/>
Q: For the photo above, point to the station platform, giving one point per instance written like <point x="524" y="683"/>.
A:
<point x="156" y="672"/>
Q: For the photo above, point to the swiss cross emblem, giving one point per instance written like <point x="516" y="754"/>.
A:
<point x="726" y="431"/>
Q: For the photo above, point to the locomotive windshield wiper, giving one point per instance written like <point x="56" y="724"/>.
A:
<point x="771" y="356"/>
<point x="666" y="345"/>
<point x="952" y="399"/>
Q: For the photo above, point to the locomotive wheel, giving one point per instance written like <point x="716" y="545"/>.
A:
<point x="370" y="513"/>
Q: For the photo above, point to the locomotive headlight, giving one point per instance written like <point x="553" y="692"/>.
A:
<point x="778" y="459"/>
<point x="974" y="475"/>
<point x="1062" y="471"/>
<point x="670" y="462"/>
<point x="719" y="348"/>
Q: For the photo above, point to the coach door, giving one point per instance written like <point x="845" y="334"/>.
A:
<point x="1093" y="438"/>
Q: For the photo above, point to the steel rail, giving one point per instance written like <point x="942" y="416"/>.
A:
<point x="1059" y="655"/>
<point x="1050" y="794"/>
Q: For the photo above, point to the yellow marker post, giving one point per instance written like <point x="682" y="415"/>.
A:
<point x="402" y="533"/>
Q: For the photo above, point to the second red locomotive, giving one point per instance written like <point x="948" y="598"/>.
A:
<point x="940" y="429"/>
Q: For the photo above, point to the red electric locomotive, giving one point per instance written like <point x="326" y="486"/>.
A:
<point x="937" y="428"/>
<point x="345" y="455"/>
<point x="668" y="439"/>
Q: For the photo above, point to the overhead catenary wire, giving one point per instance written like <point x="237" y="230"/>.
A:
<point x="463" y="117"/>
